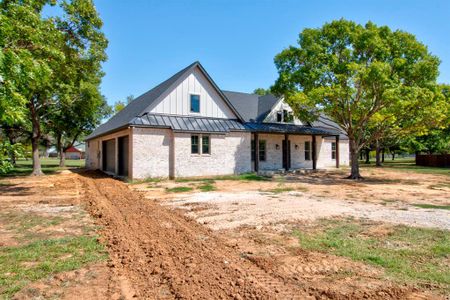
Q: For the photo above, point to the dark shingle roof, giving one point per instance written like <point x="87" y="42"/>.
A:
<point x="252" y="107"/>
<point x="326" y="123"/>
<point x="189" y="124"/>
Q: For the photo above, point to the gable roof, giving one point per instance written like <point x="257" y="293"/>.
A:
<point x="138" y="106"/>
<point x="253" y="107"/>
<point x="325" y="122"/>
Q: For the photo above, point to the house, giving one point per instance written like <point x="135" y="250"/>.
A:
<point x="74" y="153"/>
<point x="187" y="126"/>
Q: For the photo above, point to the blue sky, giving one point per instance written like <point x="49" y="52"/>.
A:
<point x="236" y="40"/>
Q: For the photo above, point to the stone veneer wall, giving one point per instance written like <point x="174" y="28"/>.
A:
<point x="324" y="155"/>
<point x="229" y="154"/>
<point x="151" y="152"/>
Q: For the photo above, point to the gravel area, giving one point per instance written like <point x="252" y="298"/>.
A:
<point x="227" y="210"/>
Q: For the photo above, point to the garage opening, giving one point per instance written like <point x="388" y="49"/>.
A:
<point x="123" y="155"/>
<point x="109" y="156"/>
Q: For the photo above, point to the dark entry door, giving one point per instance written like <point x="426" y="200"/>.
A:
<point x="123" y="156"/>
<point x="286" y="154"/>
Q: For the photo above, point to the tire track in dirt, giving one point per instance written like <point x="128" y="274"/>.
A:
<point x="166" y="255"/>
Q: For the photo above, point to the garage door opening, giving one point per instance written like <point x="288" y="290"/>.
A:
<point x="123" y="155"/>
<point x="109" y="156"/>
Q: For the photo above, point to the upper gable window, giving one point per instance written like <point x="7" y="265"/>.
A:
<point x="195" y="103"/>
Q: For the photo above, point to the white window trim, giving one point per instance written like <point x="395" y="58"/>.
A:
<point x="199" y="104"/>
<point x="200" y="145"/>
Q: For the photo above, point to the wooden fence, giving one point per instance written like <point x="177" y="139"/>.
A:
<point x="433" y="160"/>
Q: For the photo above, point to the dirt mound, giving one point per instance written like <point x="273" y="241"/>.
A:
<point x="166" y="255"/>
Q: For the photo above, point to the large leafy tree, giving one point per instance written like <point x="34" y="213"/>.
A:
<point x="359" y="75"/>
<point x="45" y="60"/>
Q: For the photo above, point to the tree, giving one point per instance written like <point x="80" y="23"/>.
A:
<point x="261" y="91"/>
<point x="119" y="105"/>
<point x="359" y="75"/>
<point x="74" y="119"/>
<point x="46" y="59"/>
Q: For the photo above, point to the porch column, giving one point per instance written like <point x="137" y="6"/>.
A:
<point x="287" y="152"/>
<point x="256" y="152"/>
<point x="314" y="158"/>
<point x="337" y="151"/>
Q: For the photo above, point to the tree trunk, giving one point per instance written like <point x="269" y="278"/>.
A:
<point x="393" y="155"/>
<point x="382" y="155"/>
<point x="35" y="137"/>
<point x="62" y="158"/>
<point x="377" y="154"/>
<point x="354" y="161"/>
<point x="367" y="156"/>
<point x="37" y="171"/>
<point x="60" y="149"/>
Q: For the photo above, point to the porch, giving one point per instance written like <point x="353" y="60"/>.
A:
<point x="287" y="147"/>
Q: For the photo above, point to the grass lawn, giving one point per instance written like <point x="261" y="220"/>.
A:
<point x="179" y="189"/>
<point x="37" y="260"/>
<point x="49" y="166"/>
<point x="407" y="254"/>
<point x="408" y="165"/>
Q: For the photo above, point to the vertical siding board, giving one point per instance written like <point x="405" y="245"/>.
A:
<point x="177" y="101"/>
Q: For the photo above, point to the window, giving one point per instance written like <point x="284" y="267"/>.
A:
<point x="194" y="144"/>
<point x="195" y="103"/>
<point x="205" y="144"/>
<point x="262" y="150"/>
<point x="308" y="150"/>
<point x="333" y="150"/>
<point x="279" y="116"/>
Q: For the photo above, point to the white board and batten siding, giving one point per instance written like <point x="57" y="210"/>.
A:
<point x="280" y="106"/>
<point x="177" y="100"/>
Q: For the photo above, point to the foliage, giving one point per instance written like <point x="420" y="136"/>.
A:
<point x="6" y="150"/>
<point x="361" y="76"/>
<point x="261" y="91"/>
<point x="47" y="63"/>
<point x="119" y="105"/>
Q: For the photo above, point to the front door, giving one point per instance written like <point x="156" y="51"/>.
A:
<point x="286" y="154"/>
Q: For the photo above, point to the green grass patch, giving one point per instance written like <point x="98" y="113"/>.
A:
<point x="244" y="177"/>
<point x="146" y="180"/>
<point x="24" y="264"/>
<point x="279" y="190"/>
<point x="49" y="166"/>
<point x="179" y="189"/>
<point x="407" y="254"/>
<point x="207" y="187"/>
<point x="408" y="165"/>
<point x="432" y="206"/>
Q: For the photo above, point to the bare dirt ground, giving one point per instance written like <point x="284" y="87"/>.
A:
<point x="33" y="209"/>
<point x="387" y="196"/>
<point x="157" y="252"/>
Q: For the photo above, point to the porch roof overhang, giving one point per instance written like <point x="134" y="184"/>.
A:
<point x="281" y="128"/>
